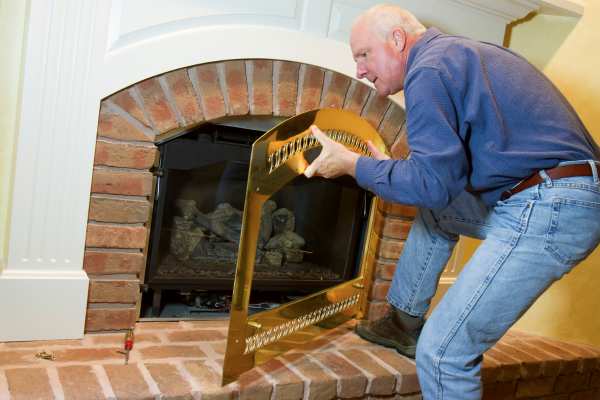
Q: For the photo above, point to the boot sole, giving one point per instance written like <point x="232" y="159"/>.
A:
<point x="408" y="351"/>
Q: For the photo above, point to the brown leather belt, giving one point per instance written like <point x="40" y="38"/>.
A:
<point x="554" y="173"/>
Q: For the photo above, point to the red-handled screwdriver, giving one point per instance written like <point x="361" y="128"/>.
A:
<point x="128" y="344"/>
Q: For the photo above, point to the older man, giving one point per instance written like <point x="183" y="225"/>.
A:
<point x="497" y="154"/>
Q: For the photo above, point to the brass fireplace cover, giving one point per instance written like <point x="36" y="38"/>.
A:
<point x="277" y="158"/>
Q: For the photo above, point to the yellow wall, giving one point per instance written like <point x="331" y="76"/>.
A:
<point x="565" y="49"/>
<point x="12" y="22"/>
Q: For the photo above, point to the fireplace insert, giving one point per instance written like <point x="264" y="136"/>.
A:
<point x="310" y="235"/>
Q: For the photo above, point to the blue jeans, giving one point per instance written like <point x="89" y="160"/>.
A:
<point x="529" y="241"/>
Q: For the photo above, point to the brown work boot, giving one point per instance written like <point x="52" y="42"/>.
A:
<point x="396" y="329"/>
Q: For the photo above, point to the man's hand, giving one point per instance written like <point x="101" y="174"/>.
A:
<point x="335" y="159"/>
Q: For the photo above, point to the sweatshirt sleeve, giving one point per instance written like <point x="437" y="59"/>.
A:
<point x="437" y="169"/>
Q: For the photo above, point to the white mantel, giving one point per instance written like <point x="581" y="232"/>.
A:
<point x="80" y="51"/>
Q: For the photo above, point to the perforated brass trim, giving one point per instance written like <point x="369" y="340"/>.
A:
<point x="274" y="334"/>
<point x="277" y="158"/>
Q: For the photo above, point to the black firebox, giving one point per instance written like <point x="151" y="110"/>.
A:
<point x="311" y="230"/>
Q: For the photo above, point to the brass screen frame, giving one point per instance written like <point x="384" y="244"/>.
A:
<point x="277" y="158"/>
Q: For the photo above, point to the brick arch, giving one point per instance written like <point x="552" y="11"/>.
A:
<point x="132" y="119"/>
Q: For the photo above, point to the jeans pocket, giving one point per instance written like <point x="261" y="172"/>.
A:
<point x="574" y="230"/>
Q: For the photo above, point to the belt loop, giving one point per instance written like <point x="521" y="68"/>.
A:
<point x="546" y="178"/>
<point x="594" y="168"/>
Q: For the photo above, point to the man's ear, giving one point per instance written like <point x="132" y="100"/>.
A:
<point x="399" y="36"/>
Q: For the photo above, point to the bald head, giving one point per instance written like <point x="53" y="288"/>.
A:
<point x="382" y="19"/>
<point x="381" y="40"/>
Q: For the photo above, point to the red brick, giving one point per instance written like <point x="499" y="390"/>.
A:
<point x="209" y="380"/>
<point x="108" y="318"/>
<point x="397" y="210"/>
<point x="118" y="182"/>
<point x="406" y="369"/>
<point x="116" y="236"/>
<point x="312" y="85"/>
<point x="390" y="248"/>
<point x="106" y="209"/>
<point x="530" y="366"/>
<point x="335" y="94"/>
<point x="490" y="370"/>
<point x="358" y="93"/>
<point x="569" y="363"/>
<point x="124" y="155"/>
<point x="216" y="323"/>
<point x="43" y="344"/>
<point x="321" y="385"/>
<point x="286" y="384"/>
<point x="511" y="369"/>
<point x="125" y="100"/>
<point x="156" y="104"/>
<point x="535" y="387"/>
<point x="287" y="88"/>
<point x="351" y="381"/>
<point x="375" y="109"/>
<point x="253" y="386"/>
<point x="119" y="338"/>
<point x="391" y="124"/>
<point x="384" y="269"/>
<point x="16" y="357"/>
<point x="127" y="382"/>
<point x="80" y="382"/>
<point x="169" y="351"/>
<point x="262" y="87"/>
<point x="377" y="309"/>
<point x="30" y="383"/>
<point x="595" y="380"/>
<point x="88" y="354"/>
<point x="113" y="262"/>
<point x="584" y="395"/>
<point x="499" y="391"/>
<point x="237" y="87"/>
<point x="390" y="227"/>
<point x="400" y="149"/>
<point x="113" y="291"/>
<point x="184" y="96"/>
<point x="379" y="290"/>
<point x="114" y="126"/>
<point x="383" y="382"/>
<point x="157" y="326"/>
<point x="589" y="357"/>
<point x="210" y="91"/>
<point x="196" y="335"/>
<point x="170" y="382"/>
<point x="571" y="383"/>
<point x="551" y="364"/>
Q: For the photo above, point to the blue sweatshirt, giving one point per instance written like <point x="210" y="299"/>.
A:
<point x="479" y="118"/>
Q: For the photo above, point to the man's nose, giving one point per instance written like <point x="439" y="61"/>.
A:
<point x="360" y="71"/>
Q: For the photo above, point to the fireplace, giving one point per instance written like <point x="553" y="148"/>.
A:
<point x="82" y="55"/>
<point x="311" y="229"/>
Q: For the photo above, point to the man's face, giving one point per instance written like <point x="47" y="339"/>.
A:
<point x="379" y="60"/>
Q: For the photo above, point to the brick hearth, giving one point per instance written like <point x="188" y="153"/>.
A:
<point x="132" y="119"/>
<point x="183" y="360"/>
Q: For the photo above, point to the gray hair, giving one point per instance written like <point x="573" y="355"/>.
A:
<point x="383" y="18"/>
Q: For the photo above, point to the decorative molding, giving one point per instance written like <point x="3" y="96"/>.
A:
<point x="38" y="305"/>
<point x="571" y="8"/>
<point x="514" y="9"/>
